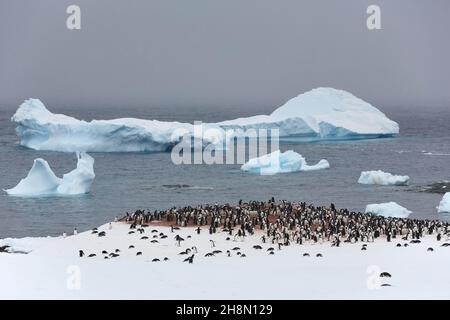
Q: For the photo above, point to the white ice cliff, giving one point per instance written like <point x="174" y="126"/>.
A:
<point x="388" y="209"/>
<point x="281" y="162"/>
<point x="322" y="113"/>
<point x="382" y="178"/>
<point x="42" y="181"/>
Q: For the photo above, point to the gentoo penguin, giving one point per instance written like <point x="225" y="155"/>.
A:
<point x="131" y="247"/>
<point x="144" y="238"/>
<point x="398" y="245"/>
<point x="430" y="249"/>
<point x="154" y="241"/>
<point x="306" y="254"/>
<point x="104" y="252"/>
<point x="155" y="260"/>
<point x="139" y="253"/>
<point x="166" y="259"/>
<point x="271" y="252"/>
<point x="258" y="247"/>
<point x="319" y="255"/>
<point x="228" y="253"/>
<point x="385" y="275"/>
<point x="102" y="234"/>
<point x="236" y="248"/>
<point x="217" y="251"/>
<point x="92" y="255"/>
<point x="75" y="231"/>
<point x="81" y="253"/>
<point x="209" y="254"/>
<point x="190" y="259"/>
<point x="213" y="244"/>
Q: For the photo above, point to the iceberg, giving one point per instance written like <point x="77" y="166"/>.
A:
<point x="42" y="181"/>
<point x="322" y="113"/>
<point x="382" y="178"/>
<point x="281" y="162"/>
<point x="388" y="209"/>
<point x="444" y="205"/>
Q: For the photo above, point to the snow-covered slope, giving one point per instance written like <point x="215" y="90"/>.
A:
<point x="53" y="270"/>
<point x="388" y="209"/>
<point x="42" y="181"/>
<point x="322" y="113"/>
<point x="382" y="178"/>
<point x="281" y="162"/>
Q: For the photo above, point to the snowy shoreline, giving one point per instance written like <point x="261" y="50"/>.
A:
<point x="53" y="268"/>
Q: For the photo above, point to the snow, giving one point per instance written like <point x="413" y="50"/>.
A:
<point x="444" y="205"/>
<point x="382" y="178"/>
<point x="388" y="209"/>
<point x="322" y="113"/>
<point x="42" y="181"/>
<point x="281" y="162"/>
<point x="53" y="269"/>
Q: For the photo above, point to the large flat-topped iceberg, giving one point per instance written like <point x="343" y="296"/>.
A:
<point x="382" y="178"/>
<point x="42" y="181"/>
<point x="281" y="162"/>
<point x="322" y="113"/>
<point x="388" y="209"/>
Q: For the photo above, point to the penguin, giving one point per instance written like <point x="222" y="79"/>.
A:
<point x="81" y="253"/>
<point x="102" y="234"/>
<point x="117" y="251"/>
<point x="271" y="249"/>
<point x="257" y="247"/>
<point x="155" y="260"/>
<point x="130" y="232"/>
<point x="209" y="254"/>
<point x="363" y="248"/>
<point x="238" y="253"/>
<point x="398" y="245"/>
<point x="190" y="259"/>
<point x="104" y="252"/>
<point x="213" y="244"/>
<point x="154" y="241"/>
<point x="236" y="248"/>
<point x="75" y="231"/>
<point x="228" y="253"/>
<point x="385" y="275"/>
<point x="144" y="238"/>
<point x="166" y="259"/>
<point x="92" y="255"/>
<point x="243" y="255"/>
<point x="306" y="254"/>
<point x="217" y="251"/>
<point x="271" y="253"/>
<point x="430" y="249"/>
<point x="131" y="247"/>
<point x="319" y="255"/>
<point x="155" y="236"/>
<point x="386" y="285"/>
<point x="154" y="230"/>
<point x="139" y="253"/>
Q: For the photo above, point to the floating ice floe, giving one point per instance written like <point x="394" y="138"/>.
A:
<point x="281" y="162"/>
<point x="382" y="178"/>
<point x="444" y="205"/>
<point x="42" y="181"/>
<point x="388" y="209"/>
<point x="322" y="113"/>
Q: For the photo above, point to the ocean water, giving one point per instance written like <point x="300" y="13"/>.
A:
<point x="129" y="181"/>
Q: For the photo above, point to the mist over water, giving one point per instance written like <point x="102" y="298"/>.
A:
<point x="129" y="181"/>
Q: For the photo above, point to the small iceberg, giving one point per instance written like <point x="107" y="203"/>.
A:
<point x="444" y="205"/>
<point x="281" y="162"/>
<point x="42" y="181"/>
<point x="382" y="178"/>
<point x="388" y="209"/>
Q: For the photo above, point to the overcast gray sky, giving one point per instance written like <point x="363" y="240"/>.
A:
<point x="221" y="53"/>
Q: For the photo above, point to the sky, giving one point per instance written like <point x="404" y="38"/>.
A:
<point x="222" y="53"/>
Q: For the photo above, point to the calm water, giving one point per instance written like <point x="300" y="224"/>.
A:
<point x="125" y="182"/>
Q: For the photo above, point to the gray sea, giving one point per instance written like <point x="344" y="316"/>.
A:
<point x="129" y="181"/>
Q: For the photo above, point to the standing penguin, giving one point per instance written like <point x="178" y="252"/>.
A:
<point x="75" y="231"/>
<point x="81" y="253"/>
